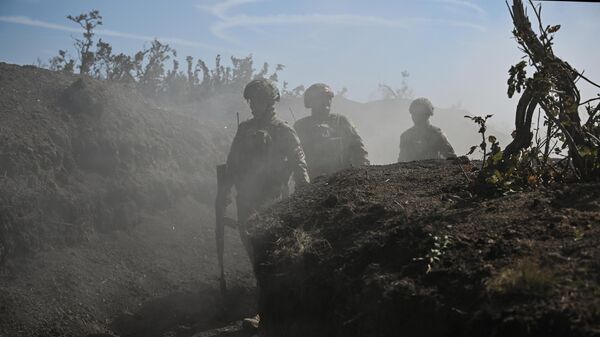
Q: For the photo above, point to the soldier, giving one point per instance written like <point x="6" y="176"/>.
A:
<point x="423" y="140"/>
<point x="264" y="154"/>
<point x="330" y="141"/>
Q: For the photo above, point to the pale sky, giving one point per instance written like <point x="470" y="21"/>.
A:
<point x="457" y="51"/>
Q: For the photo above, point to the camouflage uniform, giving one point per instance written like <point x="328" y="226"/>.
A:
<point x="423" y="141"/>
<point x="262" y="176"/>
<point x="330" y="141"/>
<point x="264" y="154"/>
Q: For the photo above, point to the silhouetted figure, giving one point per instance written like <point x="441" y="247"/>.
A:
<point x="423" y="140"/>
<point x="264" y="154"/>
<point x="330" y="141"/>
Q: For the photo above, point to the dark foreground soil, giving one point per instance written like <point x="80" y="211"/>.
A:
<point x="406" y="249"/>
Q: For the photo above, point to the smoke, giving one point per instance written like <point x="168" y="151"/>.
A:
<point x="457" y="52"/>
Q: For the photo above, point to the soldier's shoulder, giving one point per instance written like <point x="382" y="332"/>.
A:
<point x="409" y="132"/>
<point x="281" y="124"/>
<point x="302" y="122"/>
<point x="436" y="130"/>
<point x="245" y="124"/>
<point x="339" y="117"/>
<point x="342" y="121"/>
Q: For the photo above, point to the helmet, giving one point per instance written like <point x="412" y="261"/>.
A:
<point x="261" y="88"/>
<point x="316" y="91"/>
<point x="421" y="105"/>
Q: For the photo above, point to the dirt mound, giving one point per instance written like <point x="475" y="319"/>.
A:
<point x="406" y="249"/>
<point x="106" y="220"/>
<point x="78" y="156"/>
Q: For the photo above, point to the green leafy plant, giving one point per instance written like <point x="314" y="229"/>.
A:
<point x="61" y="63"/>
<point x="516" y="79"/>
<point x="495" y="149"/>
<point x="438" y="244"/>
<point x="154" y="76"/>
<point x="532" y="167"/>
<point x="563" y="146"/>
<point x="553" y="88"/>
<point x="295" y="92"/>
<point x="404" y="92"/>
<point x="87" y="21"/>
<point x="156" y="70"/>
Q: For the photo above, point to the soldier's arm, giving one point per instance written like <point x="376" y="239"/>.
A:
<point x="446" y="150"/>
<point x="296" y="157"/>
<point x="231" y="167"/>
<point x="298" y="127"/>
<point x="356" y="148"/>
<point x="403" y="155"/>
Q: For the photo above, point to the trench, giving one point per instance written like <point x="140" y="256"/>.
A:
<point x="199" y="313"/>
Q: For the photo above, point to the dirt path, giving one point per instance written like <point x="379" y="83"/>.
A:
<point x="159" y="279"/>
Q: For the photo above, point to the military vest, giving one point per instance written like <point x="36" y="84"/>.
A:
<point x="323" y="143"/>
